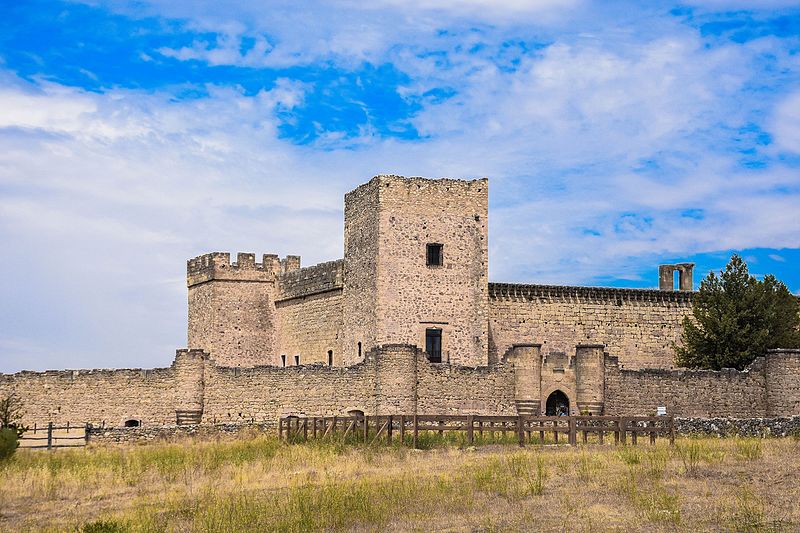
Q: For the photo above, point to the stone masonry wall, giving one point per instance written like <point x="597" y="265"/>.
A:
<point x="386" y="382"/>
<point x="306" y="281"/>
<point x="263" y="393"/>
<point x="309" y="312"/>
<point x="360" y="268"/>
<point x="95" y="396"/>
<point x="450" y="389"/>
<point x="720" y="427"/>
<point x="687" y="393"/>
<point x="637" y="325"/>
<point x="231" y="308"/>
<point x="310" y="326"/>
<point x="783" y="382"/>
<point x="413" y="296"/>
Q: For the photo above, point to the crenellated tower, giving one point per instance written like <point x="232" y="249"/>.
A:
<point x="232" y="306"/>
<point x="416" y="268"/>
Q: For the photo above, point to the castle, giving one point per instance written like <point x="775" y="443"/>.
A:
<point x="408" y="322"/>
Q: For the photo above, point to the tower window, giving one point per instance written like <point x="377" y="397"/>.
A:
<point x="433" y="344"/>
<point x="283" y="360"/>
<point x="435" y="254"/>
<point x="296" y="360"/>
<point x="359" y="349"/>
<point x="330" y="357"/>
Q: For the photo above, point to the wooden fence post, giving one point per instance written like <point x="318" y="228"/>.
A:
<point x="86" y="429"/>
<point x="305" y="429"/>
<point x="389" y="431"/>
<point x="49" y="435"/>
<point x="622" y="430"/>
<point x="416" y="432"/>
<point x="403" y="430"/>
<point x="521" y="431"/>
<point x="573" y="437"/>
<point x="470" y="438"/>
<point x="671" y="430"/>
<point x="366" y="429"/>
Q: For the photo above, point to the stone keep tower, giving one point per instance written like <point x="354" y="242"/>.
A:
<point x="232" y="306"/>
<point x="416" y="268"/>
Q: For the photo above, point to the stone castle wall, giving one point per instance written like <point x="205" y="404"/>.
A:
<point x="398" y="379"/>
<point x="637" y="325"/>
<point x="687" y="393"/>
<point x="783" y="382"/>
<point x="308" y="306"/>
<point x="109" y="396"/>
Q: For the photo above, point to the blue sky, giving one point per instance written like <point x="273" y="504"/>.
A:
<point x="616" y="136"/>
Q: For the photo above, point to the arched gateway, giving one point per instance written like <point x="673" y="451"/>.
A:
<point x="557" y="404"/>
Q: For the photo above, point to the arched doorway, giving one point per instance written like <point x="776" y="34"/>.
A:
<point x="557" y="404"/>
<point x="132" y="423"/>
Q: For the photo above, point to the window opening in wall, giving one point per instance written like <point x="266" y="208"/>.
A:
<point x="435" y="254"/>
<point x="433" y="344"/>
<point x="296" y="360"/>
<point x="330" y="357"/>
<point x="359" y="349"/>
<point x="132" y="423"/>
<point x="283" y="360"/>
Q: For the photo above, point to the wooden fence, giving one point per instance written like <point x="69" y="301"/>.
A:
<point x="51" y="437"/>
<point x="528" y="429"/>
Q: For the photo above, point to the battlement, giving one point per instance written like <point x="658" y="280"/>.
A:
<point x="587" y="294"/>
<point x="306" y="281"/>
<point x="384" y="183"/>
<point x="218" y="266"/>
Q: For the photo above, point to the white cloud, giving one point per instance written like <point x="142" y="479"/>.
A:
<point x="107" y="194"/>
<point x="786" y="124"/>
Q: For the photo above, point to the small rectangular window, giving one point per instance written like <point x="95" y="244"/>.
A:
<point x="435" y="254"/>
<point x="283" y="360"/>
<point x="330" y="357"/>
<point x="296" y="360"/>
<point x="433" y="344"/>
<point x="359" y="349"/>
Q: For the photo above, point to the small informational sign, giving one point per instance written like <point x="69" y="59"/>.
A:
<point x="661" y="410"/>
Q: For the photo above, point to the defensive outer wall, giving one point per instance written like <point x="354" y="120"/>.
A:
<point x="268" y="338"/>
<point x="400" y="379"/>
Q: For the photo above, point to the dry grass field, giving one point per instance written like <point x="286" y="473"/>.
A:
<point x="256" y="483"/>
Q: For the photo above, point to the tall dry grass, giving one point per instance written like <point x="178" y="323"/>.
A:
<point x="257" y="483"/>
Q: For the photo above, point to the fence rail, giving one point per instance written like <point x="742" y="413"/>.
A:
<point x="51" y="436"/>
<point x="372" y="429"/>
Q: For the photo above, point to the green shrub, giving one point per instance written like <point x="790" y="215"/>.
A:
<point x="8" y="443"/>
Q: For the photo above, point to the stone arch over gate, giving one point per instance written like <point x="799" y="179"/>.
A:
<point x="566" y="392"/>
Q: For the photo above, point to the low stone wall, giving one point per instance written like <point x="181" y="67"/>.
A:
<point x="144" y="435"/>
<point x="743" y="427"/>
<point x="719" y="427"/>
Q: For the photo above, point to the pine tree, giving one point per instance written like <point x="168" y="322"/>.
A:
<point x="736" y="318"/>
